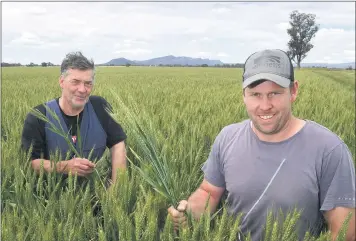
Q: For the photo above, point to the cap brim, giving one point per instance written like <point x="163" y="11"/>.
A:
<point x="279" y="80"/>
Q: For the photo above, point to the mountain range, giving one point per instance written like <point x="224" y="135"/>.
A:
<point x="165" y="60"/>
<point x="182" y="60"/>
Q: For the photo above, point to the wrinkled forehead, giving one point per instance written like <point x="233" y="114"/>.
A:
<point x="84" y="75"/>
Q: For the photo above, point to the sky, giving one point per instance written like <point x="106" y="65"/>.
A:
<point x="227" y="31"/>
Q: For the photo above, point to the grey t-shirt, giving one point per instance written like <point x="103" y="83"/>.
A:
<point x="312" y="171"/>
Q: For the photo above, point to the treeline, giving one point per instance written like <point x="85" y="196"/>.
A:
<point x="328" y="68"/>
<point x="43" y="64"/>
<point x="3" y="64"/>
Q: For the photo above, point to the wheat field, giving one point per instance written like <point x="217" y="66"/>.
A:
<point x="184" y="109"/>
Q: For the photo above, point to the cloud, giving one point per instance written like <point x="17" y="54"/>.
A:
<point x="27" y="38"/>
<point x="201" y="40"/>
<point x="8" y="60"/>
<point x="153" y="29"/>
<point x="204" y="54"/>
<point x="220" y="10"/>
<point x="222" y="54"/>
<point x="36" y="10"/>
<point x="133" y="42"/>
<point x="338" y="43"/>
<point x="283" y="26"/>
<point x="349" y="52"/>
<point x="134" y="51"/>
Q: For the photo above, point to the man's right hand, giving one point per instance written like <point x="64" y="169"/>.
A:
<point x="178" y="214"/>
<point x="79" y="166"/>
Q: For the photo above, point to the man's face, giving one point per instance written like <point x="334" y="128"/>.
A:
<point x="269" y="106"/>
<point x="76" y="87"/>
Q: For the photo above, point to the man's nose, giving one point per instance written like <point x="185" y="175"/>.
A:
<point x="265" y="103"/>
<point x="81" y="87"/>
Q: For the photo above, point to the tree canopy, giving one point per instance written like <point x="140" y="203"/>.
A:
<point x="303" y="29"/>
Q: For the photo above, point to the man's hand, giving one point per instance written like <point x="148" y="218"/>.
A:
<point x="178" y="215"/>
<point x="79" y="166"/>
<point x="197" y="203"/>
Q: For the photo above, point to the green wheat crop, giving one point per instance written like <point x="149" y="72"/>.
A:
<point x="176" y="114"/>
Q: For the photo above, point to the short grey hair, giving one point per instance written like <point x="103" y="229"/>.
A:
<point x="76" y="60"/>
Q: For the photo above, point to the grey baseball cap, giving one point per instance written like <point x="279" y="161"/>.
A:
<point x="270" y="64"/>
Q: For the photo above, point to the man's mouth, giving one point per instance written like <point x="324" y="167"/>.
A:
<point x="266" y="117"/>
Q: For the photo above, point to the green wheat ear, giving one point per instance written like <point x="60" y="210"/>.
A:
<point x="236" y="228"/>
<point x="153" y="165"/>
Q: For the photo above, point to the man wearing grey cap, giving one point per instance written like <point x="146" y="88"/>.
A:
<point x="275" y="161"/>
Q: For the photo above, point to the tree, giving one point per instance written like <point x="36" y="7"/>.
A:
<point x="32" y="64"/>
<point x="128" y="64"/>
<point x="303" y="29"/>
<point x="4" y="64"/>
<point x="44" y="64"/>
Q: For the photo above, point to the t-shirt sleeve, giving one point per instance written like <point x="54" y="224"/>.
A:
<point x="337" y="182"/>
<point x="114" y="130"/>
<point x="213" y="168"/>
<point x="33" y="133"/>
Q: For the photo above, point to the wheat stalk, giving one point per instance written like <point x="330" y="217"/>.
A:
<point x="153" y="165"/>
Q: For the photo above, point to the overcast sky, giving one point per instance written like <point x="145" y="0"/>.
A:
<point x="45" y="31"/>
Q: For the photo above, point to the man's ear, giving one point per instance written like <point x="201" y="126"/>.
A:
<point x="243" y="95"/>
<point x="294" y="90"/>
<point x="60" y="81"/>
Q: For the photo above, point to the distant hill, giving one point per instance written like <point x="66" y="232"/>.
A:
<point x="183" y="61"/>
<point x="119" y="61"/>
<point x="165" y="60"/>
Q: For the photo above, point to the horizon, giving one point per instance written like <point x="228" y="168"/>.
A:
<point x="56" y="64"/>
<point x="45" y="31"/>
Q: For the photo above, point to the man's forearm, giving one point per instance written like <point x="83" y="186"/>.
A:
<point x="351" y="231"/>
<point x="118" y="155"/>
<point x="198" y="201"/>
<point x="336" y="219"/>
<point x="48" y="165"/>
